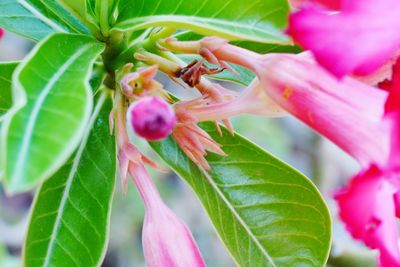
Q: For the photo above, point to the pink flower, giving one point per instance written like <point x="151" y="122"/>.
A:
<point x="358" y="39"/>
<point x="375" y="192"/>
<point x="141" y="83"/>
<point x="300" y="86"/>
<point x="393" y="116"/>
<point x="167" y="242"/>
<point x="367" y="208"/>
<point x="1" y="33"/>
<point x="152" y="118"/>
<point x="349" y="113"/>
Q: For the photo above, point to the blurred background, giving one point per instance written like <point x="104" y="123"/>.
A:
<point x="286" y="138"/>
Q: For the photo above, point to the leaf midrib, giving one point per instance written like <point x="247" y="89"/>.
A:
<point x="61" y="18"/>
<point x="237" y="216"/>
<point x="70" y="179"/>
<point x="144" y="21"/>
<point x="183" y="18"/>
<point x="40" y="16"/>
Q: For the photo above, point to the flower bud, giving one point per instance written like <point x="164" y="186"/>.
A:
<point x="152" y="118"/>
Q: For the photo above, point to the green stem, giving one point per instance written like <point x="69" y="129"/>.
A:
<point x="116" y="43"/>
<point x="316" y="161"/>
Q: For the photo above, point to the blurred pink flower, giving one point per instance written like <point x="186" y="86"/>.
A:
<point x="358" y="38"/>
<point x="367" y="208"/>
<point x="1" y="33"/>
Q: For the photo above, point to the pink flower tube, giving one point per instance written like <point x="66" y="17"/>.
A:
<point x="347" y="112"/>
<point x="167" y="242"/>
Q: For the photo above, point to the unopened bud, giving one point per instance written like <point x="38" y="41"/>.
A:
<point x="152" y="118"/>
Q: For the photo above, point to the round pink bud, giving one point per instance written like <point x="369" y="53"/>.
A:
<point x="152" y="118"/>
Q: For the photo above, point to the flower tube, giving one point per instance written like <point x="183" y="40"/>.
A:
<point x="167" y="242"/>
<point x="300" y="86"/>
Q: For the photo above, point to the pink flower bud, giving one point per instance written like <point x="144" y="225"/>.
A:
<point x="1" y="33"/>
<point x="152" y="118"/>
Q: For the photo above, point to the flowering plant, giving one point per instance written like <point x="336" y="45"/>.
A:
<point x="68" y="111"/>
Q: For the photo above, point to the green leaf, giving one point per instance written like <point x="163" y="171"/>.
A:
<point x="268" y="48"/>
<point x="52" y="105"/>
<point x="23" y="19"/>
<point x="266" y="213"/>
<point x="6" y="71"/>
<point x="71" y="214"/>
<point x="57" y="13"/>
<point x="36" y="19"/>
<point x="77" y="6"/>
<point x="258" y="21"/>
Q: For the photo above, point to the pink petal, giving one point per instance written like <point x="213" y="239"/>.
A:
<point x="393" y="102"/>
<point x="347" y="112"/>
<point x="1" y="33"/>
<point x="358" y="40"/>
<point x="382" y="74"/>
<point x="397" y="204"/>
<point x="393" y="116"/>
<point x="368" y="210"/>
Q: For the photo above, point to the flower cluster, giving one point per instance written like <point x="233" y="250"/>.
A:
<point x="345" y="86"/>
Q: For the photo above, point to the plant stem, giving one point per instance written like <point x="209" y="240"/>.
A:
<point x="115" y="44"/>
